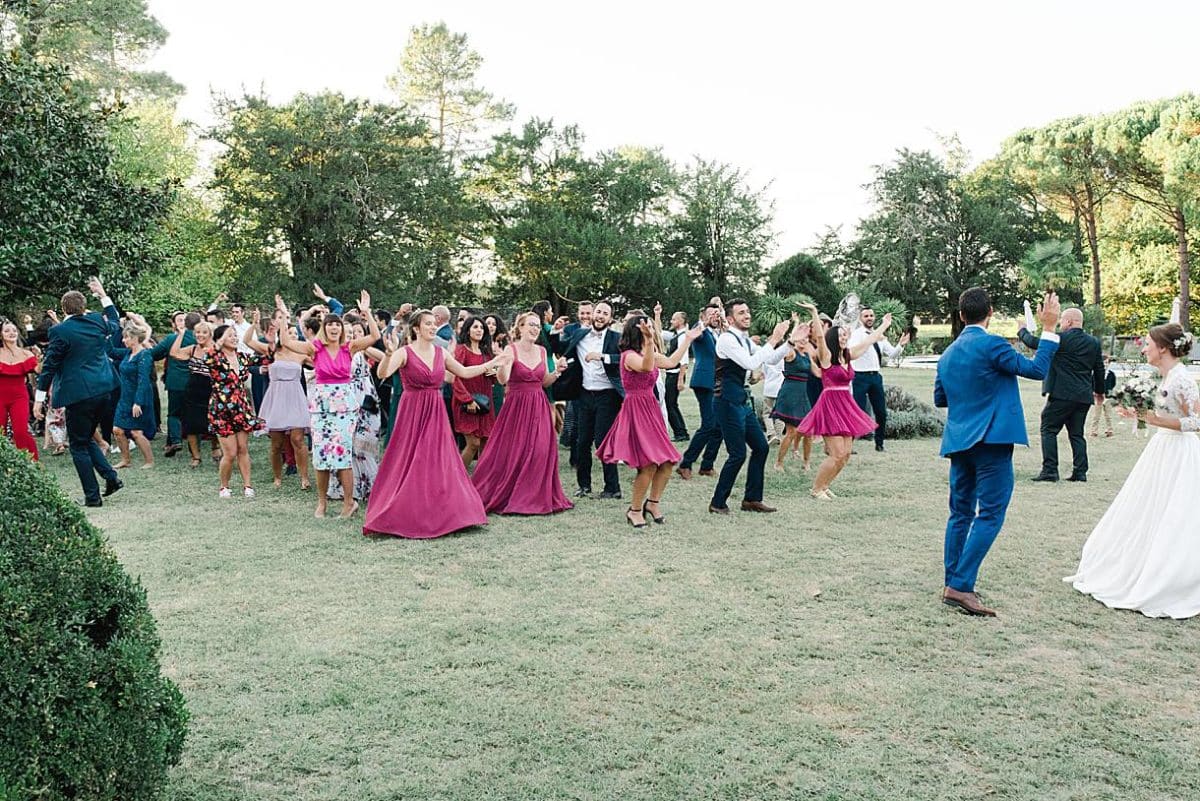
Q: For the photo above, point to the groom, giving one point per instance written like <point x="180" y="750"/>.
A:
<point x="977" y="383"/>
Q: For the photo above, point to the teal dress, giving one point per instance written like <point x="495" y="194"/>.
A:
<point x="793" y="404"/>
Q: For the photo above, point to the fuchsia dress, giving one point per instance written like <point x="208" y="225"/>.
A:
<point x="835" y="413"/>
<point x="518" y="472"/>
<point x="422" y="489"/>
<point x="638" y="436"/>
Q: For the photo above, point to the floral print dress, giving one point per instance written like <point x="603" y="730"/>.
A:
<point x="229" y="408"/>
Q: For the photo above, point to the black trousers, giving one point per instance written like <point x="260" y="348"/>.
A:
<point x="82" y="419"/>
<point x="869" y="386"/>
<point x="674" y="416"/>
<point x="594" y="416"/>
<point x="1072" y="414"/>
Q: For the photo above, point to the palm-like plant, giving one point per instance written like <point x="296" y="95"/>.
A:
<point x="1050" y="265"/>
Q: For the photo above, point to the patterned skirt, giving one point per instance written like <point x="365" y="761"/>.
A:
<point x="334" y="413"/>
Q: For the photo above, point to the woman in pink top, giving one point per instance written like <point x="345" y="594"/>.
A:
<point x="333" y="402"/>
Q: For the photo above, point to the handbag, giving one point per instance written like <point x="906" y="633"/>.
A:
<point x="484" y="402"/>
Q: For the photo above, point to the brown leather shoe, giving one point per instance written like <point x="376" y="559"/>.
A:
<point x="685" y="473"/>
<point x="708" y="471"/>
<point x="756" y="506"/>
<point x="718" y="510"/>
<point x="966" y="602"/>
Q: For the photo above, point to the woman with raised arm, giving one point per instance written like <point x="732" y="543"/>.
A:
<point x="422" y="489"/>
<point x="284" y="407"/>
<point x="792" y="404"/>
<point x="518" y="473"/>
<point x="230" y="412"/>
<point x="333" y="404"/>
<point x="193" y="419"/>
<point x="367" y="422"/>
<point x="472" y="410"/>
<point x="134" y="417"/>
<point x="638" y="436"/>
<point x="16" y="364"/>
<point x="836" y="417"/>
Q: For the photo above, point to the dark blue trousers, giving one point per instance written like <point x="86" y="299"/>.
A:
<point x="82" y="419"/>
<point x="869" y="386"/>
<point x="740" y="428"/>
<point x="707" y="439"/>
<point x="981" y="485"/>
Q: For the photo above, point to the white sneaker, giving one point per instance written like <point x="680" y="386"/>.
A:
<point x="225" y="493"/>
<point x="248" y="492"/>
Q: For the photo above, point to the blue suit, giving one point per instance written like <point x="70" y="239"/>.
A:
<point x="79" y="371"/>
<point x="707" y="439"/>
<point x="977" y="383"/>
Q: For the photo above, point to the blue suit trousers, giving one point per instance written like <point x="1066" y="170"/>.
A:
<point x="981" y="485"/>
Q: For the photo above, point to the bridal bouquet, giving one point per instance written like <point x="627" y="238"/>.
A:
<point x="1138" y="393"/>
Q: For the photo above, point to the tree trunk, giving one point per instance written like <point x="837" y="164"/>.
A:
<point x="1089" y="221"/>
<point x="956" y="323"/>
<point x="1185" y="269"/>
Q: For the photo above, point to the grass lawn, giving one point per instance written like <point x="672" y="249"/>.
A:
<point x="798" y="655"/>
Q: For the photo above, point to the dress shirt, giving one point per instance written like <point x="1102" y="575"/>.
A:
<point x="673" y="336"/>
<point x="868" y="362"/>
<point x="772" y="380"/>
<point x="594" y="377"/>
<point x="39" y="396"/>
<point x="241" y="329"/>
<point x="736" y="346"/>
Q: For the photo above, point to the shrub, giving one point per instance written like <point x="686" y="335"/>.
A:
<point x="84" y="709"/>
<point x="910" y="418"/>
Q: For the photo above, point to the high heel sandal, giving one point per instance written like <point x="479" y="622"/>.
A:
<point x="646" y="511"/>
<point x="629" y="519"/>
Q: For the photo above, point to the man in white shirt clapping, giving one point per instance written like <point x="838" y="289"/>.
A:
<point x="868" y="380"/>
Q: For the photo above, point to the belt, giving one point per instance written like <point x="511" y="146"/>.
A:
<point x="839" y="389"/>
<point x="795" y="378"/>
<point x="598" y="391"/>
<point x="866" y="372"/>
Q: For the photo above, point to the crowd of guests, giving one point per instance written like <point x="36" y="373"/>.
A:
<point x="406" y="411"/>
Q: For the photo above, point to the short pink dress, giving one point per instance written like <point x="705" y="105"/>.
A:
<point x="835" y="413"/>
<point x="638" y="436"/>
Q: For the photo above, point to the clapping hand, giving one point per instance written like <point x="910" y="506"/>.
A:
<point x="646" y="330"/>
<point x="1049" y="310"/>
<point x="364" y="302"/>
<point x="885" y="323"/>
<point x="391" y="340"/>
<point x="692" y="334"/>
<point x="903" y="340"/>
<point x="281" y="306"/>
<point x="780" y="330"/>
<point x="95" y="287"/>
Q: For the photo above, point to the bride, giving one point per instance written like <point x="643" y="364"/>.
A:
<point x="1144" y="554"/>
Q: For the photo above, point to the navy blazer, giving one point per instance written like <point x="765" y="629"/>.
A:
<point x="977" y="382"/>
<point x="704" y="361"/>
<point x="78" y="364"/>
<point x="1077" y="371"/>
<point x="569" y="386"/>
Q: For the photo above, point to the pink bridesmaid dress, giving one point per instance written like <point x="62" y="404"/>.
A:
<point x="638" y="436"/>
<point x="518" y="472"/>
<point x="422" y="489"/>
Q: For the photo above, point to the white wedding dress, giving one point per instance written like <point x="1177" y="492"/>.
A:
<point x="1144" y="554"/>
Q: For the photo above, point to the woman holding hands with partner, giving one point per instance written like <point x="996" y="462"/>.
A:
<point x="638" y="436"/>
<point x="422" y="490"/>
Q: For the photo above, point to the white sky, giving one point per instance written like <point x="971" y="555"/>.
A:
<point x="807" y="99"/>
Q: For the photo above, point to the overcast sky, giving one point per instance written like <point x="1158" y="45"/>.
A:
<point x="807" y="100"/>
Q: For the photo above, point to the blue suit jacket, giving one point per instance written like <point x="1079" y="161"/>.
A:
<point x="78" y="362"/>
<point x="977" y="382"/>
<point x="704" y="361"/>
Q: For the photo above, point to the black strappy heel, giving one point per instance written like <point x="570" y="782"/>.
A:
<point x="656" y="518"/>
<point x="629" y="519"/>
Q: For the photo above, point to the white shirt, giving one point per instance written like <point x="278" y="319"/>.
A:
<point x="868" y="362"/>
<point x="667" y="336"/>
<point x="772" y="380"/>
<point x="594" y="377"/>
<point x="241" y="329"/>
<point x="736" y="346"/>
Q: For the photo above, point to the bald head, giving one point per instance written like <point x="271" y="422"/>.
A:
<point x="441" y="314"/>
<point x="1071" y="318"/>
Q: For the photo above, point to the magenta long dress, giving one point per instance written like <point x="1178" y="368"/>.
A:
<point x="422" y="489"/>
<point x="638" y="436"/>
<point x="835" y="413"/>
<point x="518" y="472"/>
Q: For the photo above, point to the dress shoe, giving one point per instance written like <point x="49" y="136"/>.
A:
<point x="683" y="438"/>
<point x="608" y="496"/>
<point x="583" y="493"/>
<point x="112" y="485"/>
<point x="1044" y="477"/>
<point x="91" y="503"/>
<point x="171" y="450"/>
<point x="718" y="510"/>
<point x="966" y="602"/>
<point x="684" y="472"/>
<point x="880" y="447"/>
<point x="707" y="471"/>
<point x="1076" y="477"/>
<point x="756" y="506"/>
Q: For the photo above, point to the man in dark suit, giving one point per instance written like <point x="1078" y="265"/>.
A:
<point x="706" y="442"/>
<point x="78" y="368"/>
<point x="592" y="380"/>
<point x="1074" y="383"/>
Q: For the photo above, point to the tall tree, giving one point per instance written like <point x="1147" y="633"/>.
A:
<point x="104" y="43"/>
<point x="342" y="192"/>
<point x="804" y="274"/>
<point x="65" y="211"/>
<point x="723" y="232"/>
<point x="438" y="79"/>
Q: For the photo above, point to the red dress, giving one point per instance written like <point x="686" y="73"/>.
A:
<point x="475" y="425"/>
<point x="518" y="472"/>
<point x="638" y="436"/>
<point x="422" y="489"/>
<point x="14" y="403"/>
<point x="835" y="413"/>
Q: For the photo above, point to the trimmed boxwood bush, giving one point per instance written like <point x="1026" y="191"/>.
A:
<point x="909" y="418"/>
<point x="85" y="712"/>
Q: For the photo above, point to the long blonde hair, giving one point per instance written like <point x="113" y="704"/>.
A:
<point x="514" y="336"/>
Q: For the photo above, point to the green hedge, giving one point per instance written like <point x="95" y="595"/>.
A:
<point x="909" y="418"/>
<point x="85" y="712"/>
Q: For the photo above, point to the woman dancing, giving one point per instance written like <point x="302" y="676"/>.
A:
<point x="135" y="409"/>
<point x="284" y="407"/>
<point x="193" y="418"/>
<point x="793" y="405"/>
<point x="16" y="363"/>
<point x="472" y="408"/>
